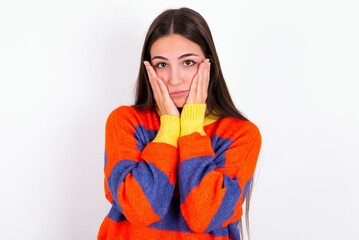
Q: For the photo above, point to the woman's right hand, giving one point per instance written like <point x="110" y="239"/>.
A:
<point x="160" y="92"/>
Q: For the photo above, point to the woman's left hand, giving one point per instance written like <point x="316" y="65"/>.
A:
<point x="199" y="87"/>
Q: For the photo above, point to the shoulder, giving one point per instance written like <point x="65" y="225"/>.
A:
<point x="121" y="113"/>
<point x="238" y="128"/>
<point x="123" y="109"/>
<point x="126" y="112"/>
<point x="235" y="124"/>
<point x="132" y="116"/>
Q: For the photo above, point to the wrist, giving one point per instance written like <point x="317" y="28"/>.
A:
<point x="169" y="130"/>
<point x="192" y="118"/>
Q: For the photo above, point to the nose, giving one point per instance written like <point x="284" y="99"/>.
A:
<point x="174" y="77"/>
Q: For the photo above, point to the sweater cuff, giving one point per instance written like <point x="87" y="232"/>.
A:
<point x="169" y="130"/>
<point x="192" y="118"/>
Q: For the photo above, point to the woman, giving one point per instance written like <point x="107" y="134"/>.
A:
<point x="178" y="163"/>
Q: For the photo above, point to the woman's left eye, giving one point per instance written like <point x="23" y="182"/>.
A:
<point x="188" y="63"/>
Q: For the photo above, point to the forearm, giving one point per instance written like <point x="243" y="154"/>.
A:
<point x="140" y="176"/>
<point x="213" y="173"/>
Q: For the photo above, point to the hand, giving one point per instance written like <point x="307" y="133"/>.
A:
<point x="160" y="92"/>
<point x="199" y="87"/>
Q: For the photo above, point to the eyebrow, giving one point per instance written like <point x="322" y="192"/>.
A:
<point x="180" y="57"/>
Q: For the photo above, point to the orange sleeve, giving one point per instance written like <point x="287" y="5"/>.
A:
<point x="214" y="174"/>
<point x="140" y="173"/>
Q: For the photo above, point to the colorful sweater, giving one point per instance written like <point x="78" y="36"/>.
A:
<point x="173" y="177"/>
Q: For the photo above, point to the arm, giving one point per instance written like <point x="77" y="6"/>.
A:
<point x="139" y="173"/>
<point x="212" y="181"/>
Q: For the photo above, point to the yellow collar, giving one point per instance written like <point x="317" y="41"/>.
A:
<point x="210" y="118"/>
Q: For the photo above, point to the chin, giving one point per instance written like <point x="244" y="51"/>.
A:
<point x="180" y="102"/>
<point x="179" y="105"/>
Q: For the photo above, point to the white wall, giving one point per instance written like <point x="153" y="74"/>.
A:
<point x="292" y="67"/>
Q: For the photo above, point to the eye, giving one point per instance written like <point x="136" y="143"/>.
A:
<point x="189" y="63"/>
<point x="161" y="65"/>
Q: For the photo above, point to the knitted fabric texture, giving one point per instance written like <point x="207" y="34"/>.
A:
<point x="170" y="177"/>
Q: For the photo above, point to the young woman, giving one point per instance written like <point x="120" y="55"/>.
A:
<point x="179" y="163"/>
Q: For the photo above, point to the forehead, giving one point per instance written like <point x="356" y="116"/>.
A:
<point x="174" y="45"/>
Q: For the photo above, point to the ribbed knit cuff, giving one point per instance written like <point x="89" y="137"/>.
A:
<point x="192" y="118"/>
<point x="169" y="130"/>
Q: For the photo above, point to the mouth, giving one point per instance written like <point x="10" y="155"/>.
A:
<point x="177" y="94"/>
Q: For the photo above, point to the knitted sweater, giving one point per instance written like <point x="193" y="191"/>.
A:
<point x="170" y="177"/>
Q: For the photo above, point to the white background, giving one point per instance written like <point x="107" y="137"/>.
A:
<point x="291" y="66"/>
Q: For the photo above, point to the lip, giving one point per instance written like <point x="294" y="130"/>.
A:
<point x="177" y="94"/>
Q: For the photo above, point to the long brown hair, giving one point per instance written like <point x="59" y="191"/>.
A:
<point x="191" y="25"/>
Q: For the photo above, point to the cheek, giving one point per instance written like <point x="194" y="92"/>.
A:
<point x="163" y="74"/>
<point x="189" y="75"/>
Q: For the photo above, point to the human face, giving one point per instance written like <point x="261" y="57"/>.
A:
<point x="176" y="60"/>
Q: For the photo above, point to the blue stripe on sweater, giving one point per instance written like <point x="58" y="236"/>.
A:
<point x="231" y="231"/>
<point x="105" y="159"/>
<point x="143" y="136"/>
<point x="118" y="174"/>
<point x="228" y="204"/>
<point x="191" y="173"/>
<point x="220" y="146"/>
<point x="173" y="220"/>
<point x="155" y="185"/>
<point x="234" y="231"/>
<point x="115" y="213"/>
<point x="193" y="170"/>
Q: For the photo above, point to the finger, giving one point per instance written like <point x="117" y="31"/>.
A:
<point x="202" y="82"/>
<point x="162" y="87"/>
<point x="150" y="71"/>
<point x="206" y="78"/>
<point x="192" y="95"/>
<point x="160" y="90"/>
<point x="152" y="75"/>
<point x="156" y="81"/>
